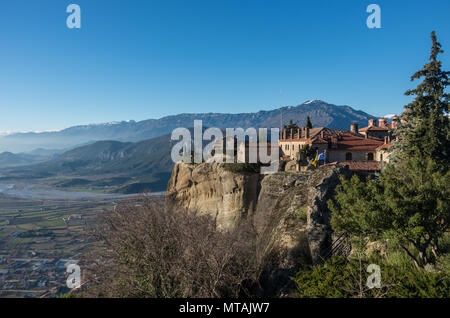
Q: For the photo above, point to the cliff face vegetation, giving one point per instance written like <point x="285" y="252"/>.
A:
<point x="287" y="210"/>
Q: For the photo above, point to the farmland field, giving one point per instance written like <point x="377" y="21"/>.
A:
<point x="39" y="236"/>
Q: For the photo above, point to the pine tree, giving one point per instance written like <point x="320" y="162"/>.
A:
<point x="410" y="201"/>
<point x="416" y="204"/>
<point x="308" y="122"/>
<point x="425" y="131"/>
<point x="291" y="125"/>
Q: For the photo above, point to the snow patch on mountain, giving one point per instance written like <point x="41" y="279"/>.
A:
<point x="11" y="132"/>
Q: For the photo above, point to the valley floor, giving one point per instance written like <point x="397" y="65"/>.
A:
<point x="40" y="231"/>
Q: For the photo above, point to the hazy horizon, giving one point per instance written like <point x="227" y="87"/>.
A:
<point x="11" y="132"/>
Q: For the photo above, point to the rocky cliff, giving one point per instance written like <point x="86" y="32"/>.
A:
<point x="209" y="188"/>
<point x="287" y="210"/>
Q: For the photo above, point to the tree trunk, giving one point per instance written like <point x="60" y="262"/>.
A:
<point x="416" y="262"/>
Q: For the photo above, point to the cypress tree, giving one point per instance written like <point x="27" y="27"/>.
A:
<point x="424" y="132"/>
<point x="308" y="122"/>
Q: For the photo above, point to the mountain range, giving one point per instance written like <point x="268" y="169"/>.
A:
<point x="136" y="155"/>
<point x="125" y="167"/>
<point x="321" y="114"/>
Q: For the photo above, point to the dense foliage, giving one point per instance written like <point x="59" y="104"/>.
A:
<point x="410" y="201"/>
<point x="339" y="278"/>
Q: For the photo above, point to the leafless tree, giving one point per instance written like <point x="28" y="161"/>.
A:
<point x="147" y="251"/>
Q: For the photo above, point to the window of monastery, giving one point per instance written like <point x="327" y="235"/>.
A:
<point x="370" y="156"/>
<point x="348" y="156"/>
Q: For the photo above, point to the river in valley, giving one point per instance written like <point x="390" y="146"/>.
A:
<point x="39" y="191"/>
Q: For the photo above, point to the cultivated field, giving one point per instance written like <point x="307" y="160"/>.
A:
<point x="39" y="236"/>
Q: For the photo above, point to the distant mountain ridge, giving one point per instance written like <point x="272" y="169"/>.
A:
<point x="136" y="166"/>
<point x="128" y="167"/>
<point x="9" y="159"/>
<point x="320" y="112"/>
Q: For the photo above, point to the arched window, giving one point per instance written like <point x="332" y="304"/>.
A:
<point x="348" y="156"/>
<point x="381" y="157"/>
<point x="370" y="156"/>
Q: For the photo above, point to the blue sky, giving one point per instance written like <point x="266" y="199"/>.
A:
<point x="147" y="59"/>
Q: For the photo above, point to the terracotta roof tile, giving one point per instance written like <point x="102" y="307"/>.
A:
<point x="385" y="146"/>
<point x="349" y="141"/>
<point x="345" y="140"/>
<point x="374" y="128"/>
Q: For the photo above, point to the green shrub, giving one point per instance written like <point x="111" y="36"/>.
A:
<point x="303" y="213"/>
<point x="338" y="278"/>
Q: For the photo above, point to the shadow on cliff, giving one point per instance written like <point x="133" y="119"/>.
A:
<point x="287" y="210"/>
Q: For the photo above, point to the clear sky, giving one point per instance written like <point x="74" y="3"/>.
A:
<point x="147" y="59"/>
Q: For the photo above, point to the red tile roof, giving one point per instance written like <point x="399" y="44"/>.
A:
<point x="374" y="128"/>
<point x="385" y="146"/>
<point x="349" y="141"/>
<point x="345" y="140"/>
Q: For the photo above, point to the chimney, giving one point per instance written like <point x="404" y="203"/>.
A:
<point x="307" y="132"/>
<point x="284" y="133"/>
<point x="299" y="134"/>
<point x="382" y="122"/>
<point x="372" y="122"/>
<point x="385" y="139"/>
<point x="291" y="132"/>
<point x="354" y="128"/>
